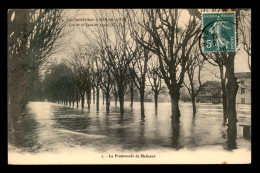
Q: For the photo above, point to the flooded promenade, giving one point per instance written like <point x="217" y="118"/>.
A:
<point x="53" y="128"/>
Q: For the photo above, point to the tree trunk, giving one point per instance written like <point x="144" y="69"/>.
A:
<point x="82" y="101"/>
<point x="193" y="100"/>
<point x="69" y="101"/>
<point x="131" y="94"/>
<point x="77" y="100"/>
<point x="142" y="102"/>
<point x="73" y="100"/>
<point x="121" y="98"/>
<point x="89" y="93"/>
<point x="107" y="101"/>
<point x="224" y="102"/>
<point x="175" y="107"/>
<point x="192" y="93"/>
<point x="94" y="95"/>
<point x="156" y="101"/>
<point x="97" y="98"/>
<point x="224" y="93"/>
<point x="231" y="114"/>
<point x="89" y="98"/>
<point x="232" y="87"/>
<point x="132" y="99"/>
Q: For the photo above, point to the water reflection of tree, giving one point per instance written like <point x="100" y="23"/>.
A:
<point x="26" y="136"/>
<point x="141" y="138"/>
<point x="75" y="123"/>
<point x="193" y="138"/>
<point x="175" y="138"/>
<point x="231" y="141"/>
<point x="120" y="132"/>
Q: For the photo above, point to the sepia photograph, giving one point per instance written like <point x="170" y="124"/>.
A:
<point x="129" y="86"/>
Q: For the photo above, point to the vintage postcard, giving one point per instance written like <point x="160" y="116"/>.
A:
<point x="129" y="86"/>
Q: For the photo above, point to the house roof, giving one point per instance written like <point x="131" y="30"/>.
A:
<point x="213" y="87"/>
<point x="243" y="75"/>
<point x="212" y="83"/>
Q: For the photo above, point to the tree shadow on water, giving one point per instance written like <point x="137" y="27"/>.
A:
<point x="231" y="143"/>
<point x="25" y="136"/>
<point x="141" y="132"/>
<point x="175" y="138"/>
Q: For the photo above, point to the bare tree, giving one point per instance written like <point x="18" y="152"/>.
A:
<point x="96" y="71"/>
<point x="98" y="78"/>
<point x="225" y="62"/>
<point x="106" y="83"/>
<point x="232" y="88"/>
<point x="139" y="72"/>
<point x="223" y="79"/>
<point x="131" y="87"/>
<point x="171" y="43"/>
<point x="155" y="80"/>
<point x="81" y="66"/>
<point x="116" y="43"/>
<point x="229" y="84"/>
<point x="195" y="63"/>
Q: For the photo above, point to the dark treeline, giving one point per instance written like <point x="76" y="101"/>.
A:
<point x="33" y="36"/>
<point x="60" y="85"/>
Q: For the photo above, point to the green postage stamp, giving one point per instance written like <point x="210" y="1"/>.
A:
<point x="219" y="32"/>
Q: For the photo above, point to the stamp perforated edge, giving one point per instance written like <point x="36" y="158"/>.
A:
<point x="235" y="23"/>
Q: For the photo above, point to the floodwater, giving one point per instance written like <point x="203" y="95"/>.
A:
<point x="54" y="128"/>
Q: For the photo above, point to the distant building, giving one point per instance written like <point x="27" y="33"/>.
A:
<point x="210" y="93"/>
<point x="244" y="90"/>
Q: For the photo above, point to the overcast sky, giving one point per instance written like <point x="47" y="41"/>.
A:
<point x="77" y="37"/>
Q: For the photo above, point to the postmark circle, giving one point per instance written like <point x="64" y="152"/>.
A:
<point x="217" y="36"/>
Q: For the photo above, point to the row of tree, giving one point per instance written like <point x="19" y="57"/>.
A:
<point x="86" y="75"/>
<point x="141" y="50"/>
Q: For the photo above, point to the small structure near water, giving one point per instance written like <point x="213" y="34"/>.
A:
<point x="210" y="93"/>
